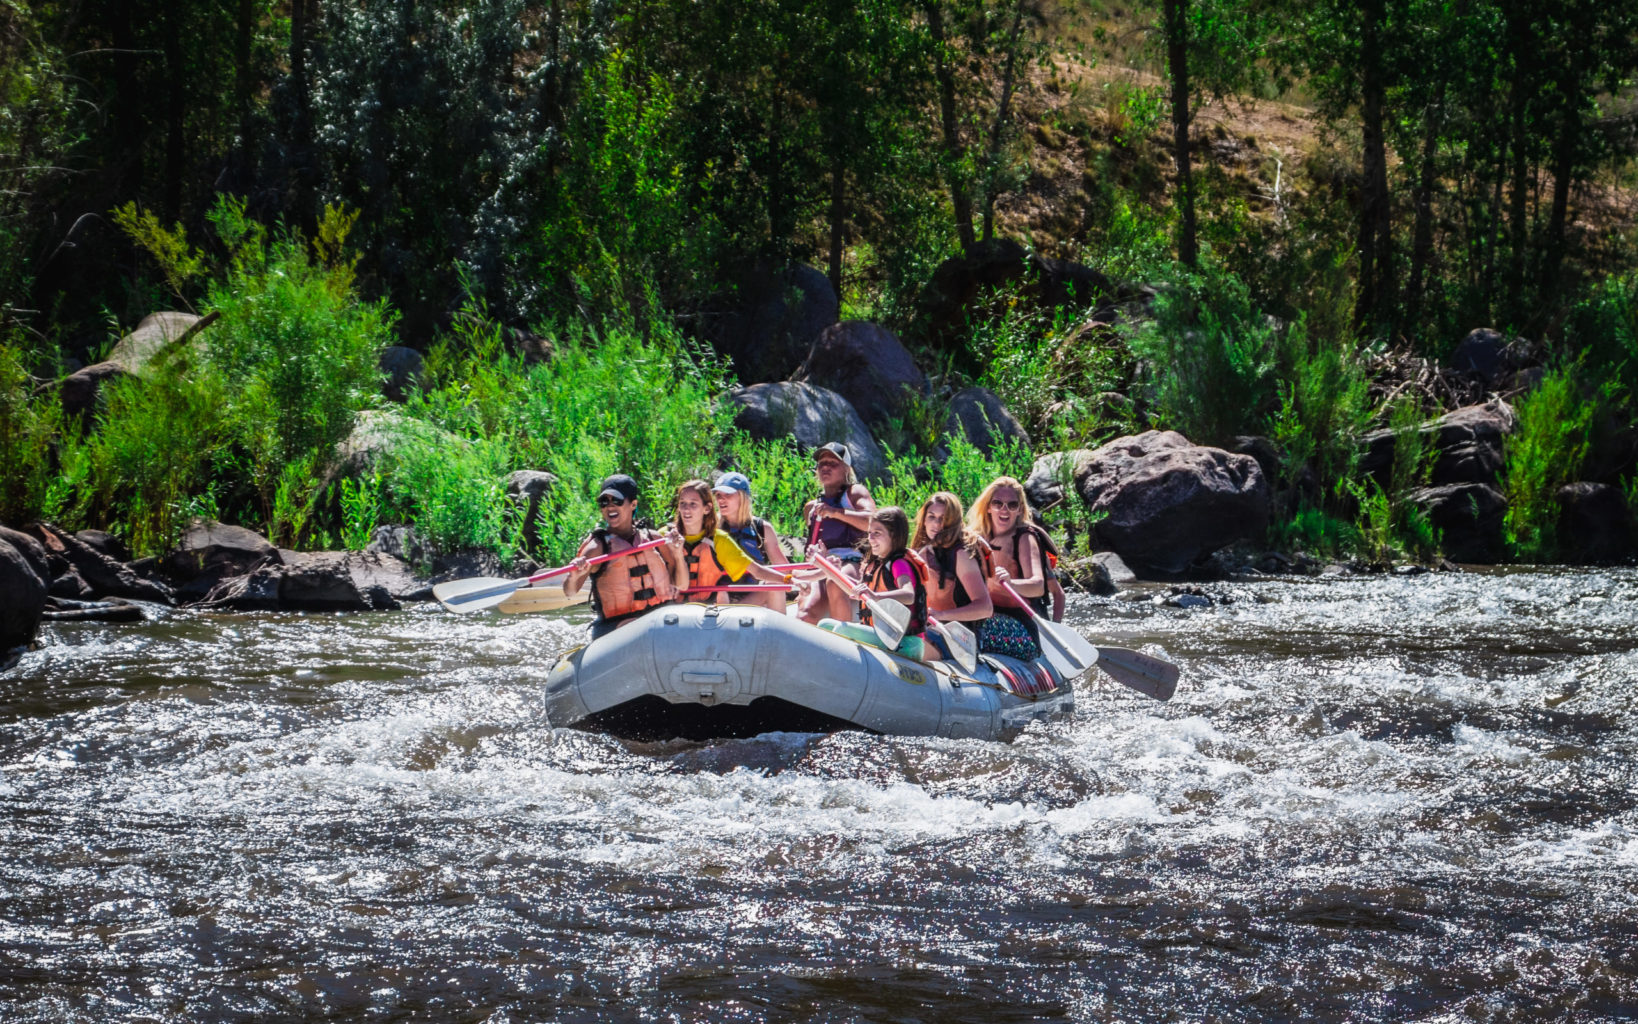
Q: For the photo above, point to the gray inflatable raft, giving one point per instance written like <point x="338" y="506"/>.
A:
<point x="709" y="671"/>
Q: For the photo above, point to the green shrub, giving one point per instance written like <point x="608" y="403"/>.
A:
<point x="1544" y="453"/>
<point x="1211" y="356"/>
<point x="1324" y="405"/>
<point x="27" y="426"/>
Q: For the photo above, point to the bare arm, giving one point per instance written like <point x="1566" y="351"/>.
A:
<point x="579" y="571"/>
<point x="972" y="581"/>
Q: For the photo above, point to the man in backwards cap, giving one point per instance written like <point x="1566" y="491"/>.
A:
<point x="624" y="588"/>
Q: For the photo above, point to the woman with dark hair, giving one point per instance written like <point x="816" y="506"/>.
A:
<point x="957" y="563"/>
<point x="891" y="570"/>
<point x="712" y="557"/>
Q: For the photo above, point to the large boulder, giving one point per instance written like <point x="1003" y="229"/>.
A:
<point x="210" y="552"/>
<point x="22" y="599"/>
<point x="322" y="581"/>
<point x="1469" y="518"/>
<point x="866" y="364"/>
<point x="961" y="284"/>
<point x="157" y="336"/>
<point x="30" y="549"/>
<point x="80" y="390"/>
<point x="1594" y="524"/>
<point x="810" y="414"/>
<point x="1167" y="503"/>
<point x="1469" y="444"/>
<point x="977" y="414"/>
<point x="767" y="325"/>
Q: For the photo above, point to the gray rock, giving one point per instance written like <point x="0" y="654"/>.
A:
<point x="210" y="552"/>
<point x="1469" y="443"/>
<point x="865" y="364"/>
<point x="1594" y="524"/>
<point x="1469" y="517"/>
<point x="1053" y="475"/>
<point x="322" y="581"/>
<point x="22" y="598"/>
<point x="1168" y="503"/>
<point x="105" y="544"/>
<point x="811" y="415"/>
<point x="767" y="326"/>
<point x="80" y="390"/>
<point x="104" y="576"/>
<point x="528" y="488"/>
<point x="1482" y="353"/>
<point x="155" y="337"/>
<point x="402" y="368"/>
<point x="399" y="542"/>
<point x="30" y="549"/>
<point x="1117" y="569"/>
<point x="977" y="414"/>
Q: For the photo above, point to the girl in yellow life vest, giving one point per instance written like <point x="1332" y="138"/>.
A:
<point x="712" y="558"/>
<point x="755" y="535"/>
<point x="891" y="570"/>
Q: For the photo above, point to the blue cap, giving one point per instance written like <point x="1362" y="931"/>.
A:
<point x="730" y="482"/>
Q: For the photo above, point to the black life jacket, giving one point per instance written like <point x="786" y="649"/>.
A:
<point x="749" y="537"/>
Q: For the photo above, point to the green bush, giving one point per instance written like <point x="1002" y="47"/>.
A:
<point x="1210" y="353"/>
<point x="1324" y="405"/>
<point x="1544" y="453"/>
<point x="28" y="425"/>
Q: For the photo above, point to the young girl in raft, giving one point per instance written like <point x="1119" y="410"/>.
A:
<point x="956" y="558"/>
<point x="998" y="516"/>
<point x="893" y="571"/>
<point x="713" y="558"/>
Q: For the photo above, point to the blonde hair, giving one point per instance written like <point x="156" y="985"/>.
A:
<point x="709" y="500"/>
<point x="979" y="518"/>
<point x="750" y="512"/>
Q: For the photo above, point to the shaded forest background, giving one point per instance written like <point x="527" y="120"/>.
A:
<point x="1308" y="206"/>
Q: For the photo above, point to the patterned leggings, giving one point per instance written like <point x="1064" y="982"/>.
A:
<point x="1003" y="634"/>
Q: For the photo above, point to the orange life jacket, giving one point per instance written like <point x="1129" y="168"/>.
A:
<point x="704" y="570"/>
<point x="882" y="578"/>
<point x="1014" y="566"/>
<point x="627" y="586"/>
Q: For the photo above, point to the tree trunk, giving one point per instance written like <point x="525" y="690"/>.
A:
<point x="1565" y="149"/>
<point x="838" y="196"/>
<point x="244" y="76"/>
<point x="1177" y="62"/>
<point x="1375" y="238"/>
<point x="302" y="157"/>
<point x="1003" y="111"/>
<point x="1518" y="221"/>
<point x="954" y="151"/>
<point x="1426" y="182"/>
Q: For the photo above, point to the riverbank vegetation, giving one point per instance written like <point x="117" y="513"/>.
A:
<point x="553" y="206"/>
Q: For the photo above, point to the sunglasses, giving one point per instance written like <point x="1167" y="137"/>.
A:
<point x="604" y="501"/>
<point x="1010" y="506"/>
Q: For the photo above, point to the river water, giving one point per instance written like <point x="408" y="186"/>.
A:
<point x="1408" y="799"/>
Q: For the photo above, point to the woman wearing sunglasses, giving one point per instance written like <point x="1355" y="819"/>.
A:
<point x="627" y="587"/>
<point x="837" y="521"/>
<point x="999" y="515"/>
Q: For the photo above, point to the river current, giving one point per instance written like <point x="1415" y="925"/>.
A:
<point x="1384" y="798"/>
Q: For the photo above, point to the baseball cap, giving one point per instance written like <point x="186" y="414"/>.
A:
<point x="835" y="448"/>
<point x="621" y="486"/>
<point x="729" y="482"/>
